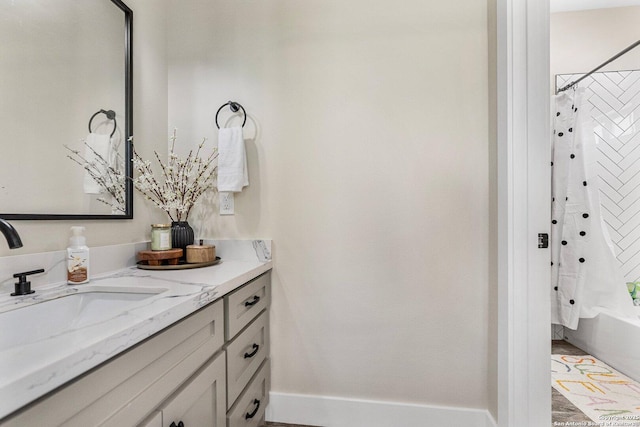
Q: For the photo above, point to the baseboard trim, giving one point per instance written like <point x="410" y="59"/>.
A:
<point x="326" y="411"/>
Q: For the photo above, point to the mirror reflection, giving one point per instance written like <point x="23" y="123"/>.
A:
<point x="64" y="109"/>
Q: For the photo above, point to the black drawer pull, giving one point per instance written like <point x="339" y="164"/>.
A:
<point x="255" y="347"/>
<point x="248" y="415"/>
<point x="255" y="300"/>
<point x="180" y="424"/>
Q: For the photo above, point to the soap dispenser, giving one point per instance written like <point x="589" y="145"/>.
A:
<point x="77" y="258"/>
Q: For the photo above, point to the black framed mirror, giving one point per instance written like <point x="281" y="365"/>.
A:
<point x="66" y="109"/>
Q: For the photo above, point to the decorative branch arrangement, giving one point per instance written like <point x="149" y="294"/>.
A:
<point x="111" y="179"/>
<point x="182" y="181"/>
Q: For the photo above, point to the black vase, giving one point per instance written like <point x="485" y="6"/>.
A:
<point x="181" y="236"/>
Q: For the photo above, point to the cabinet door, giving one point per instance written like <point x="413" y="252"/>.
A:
<point x="154" y="421"/>
<point x="201" y="401"/>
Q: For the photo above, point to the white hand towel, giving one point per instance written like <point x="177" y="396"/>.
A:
<point x="97" y="145"/>
<point x="232" y="160"/>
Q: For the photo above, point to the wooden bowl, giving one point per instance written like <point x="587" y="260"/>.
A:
<point x="200" y="253"/>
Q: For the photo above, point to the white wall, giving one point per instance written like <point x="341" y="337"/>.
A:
<point x="582" y="40"/>
<point x="369" y="166"/>
<point x="150" y="117"/>
<point x="568" y="5"/>
<point x="369" y="169"/>
<point x="492" y="368"/>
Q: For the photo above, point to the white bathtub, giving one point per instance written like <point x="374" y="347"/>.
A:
<point x="612" y="339"/>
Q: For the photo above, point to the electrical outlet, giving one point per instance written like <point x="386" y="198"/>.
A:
<point x="226" y="203"/>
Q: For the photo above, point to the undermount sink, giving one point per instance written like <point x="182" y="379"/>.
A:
<point x="51" y="317"/>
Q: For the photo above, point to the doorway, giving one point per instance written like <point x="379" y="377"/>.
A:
<point x="583" y="36"/>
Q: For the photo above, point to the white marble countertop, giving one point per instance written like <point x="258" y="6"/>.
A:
<point x="29" y="370"/>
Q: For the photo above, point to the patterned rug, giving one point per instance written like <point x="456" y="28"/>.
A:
<point x="605" y="395"/>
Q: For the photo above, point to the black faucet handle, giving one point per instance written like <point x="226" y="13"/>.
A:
<point x="22" y="286"/>
<point x="23" y="276"/>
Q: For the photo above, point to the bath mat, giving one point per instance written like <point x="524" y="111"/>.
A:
<point x="605" y="395"/>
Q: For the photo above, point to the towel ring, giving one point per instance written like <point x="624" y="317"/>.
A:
<point x="111" y="115"/>
<point x="234" y="107"/>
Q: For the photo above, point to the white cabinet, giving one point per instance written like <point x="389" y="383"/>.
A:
<point x="210" y="369"/>
<point x="244" y="304"/>
<point x="154" y="421"/>
<point x="201" y="401"/>
<point x="247" y="352"/>
<point x="129" y="389"/>
<point x="248" y="411"/>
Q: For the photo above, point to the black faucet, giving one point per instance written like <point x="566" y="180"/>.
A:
<point x="22" y="286"/>
<point x="11" y="234"/>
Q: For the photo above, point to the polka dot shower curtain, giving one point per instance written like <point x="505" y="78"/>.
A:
<point x="585" y="275"/>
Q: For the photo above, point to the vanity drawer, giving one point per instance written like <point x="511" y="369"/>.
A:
<point x="245" y="354"/>
<point x="246" y="303"/>
<point x="248" y="411"/>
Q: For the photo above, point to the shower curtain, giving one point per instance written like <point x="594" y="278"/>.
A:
<point x="586" y="277"/>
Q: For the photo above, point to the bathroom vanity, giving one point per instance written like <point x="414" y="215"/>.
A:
<point x="194" y="351"/>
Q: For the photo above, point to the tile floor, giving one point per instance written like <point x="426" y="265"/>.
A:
<point x="563" y="411"/>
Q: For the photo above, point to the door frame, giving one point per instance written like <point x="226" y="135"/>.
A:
<point x="524" y="176"/>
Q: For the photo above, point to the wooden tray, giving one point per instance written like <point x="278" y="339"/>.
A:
<point x="180" y="266"/>
<point x="159" y="258"/>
